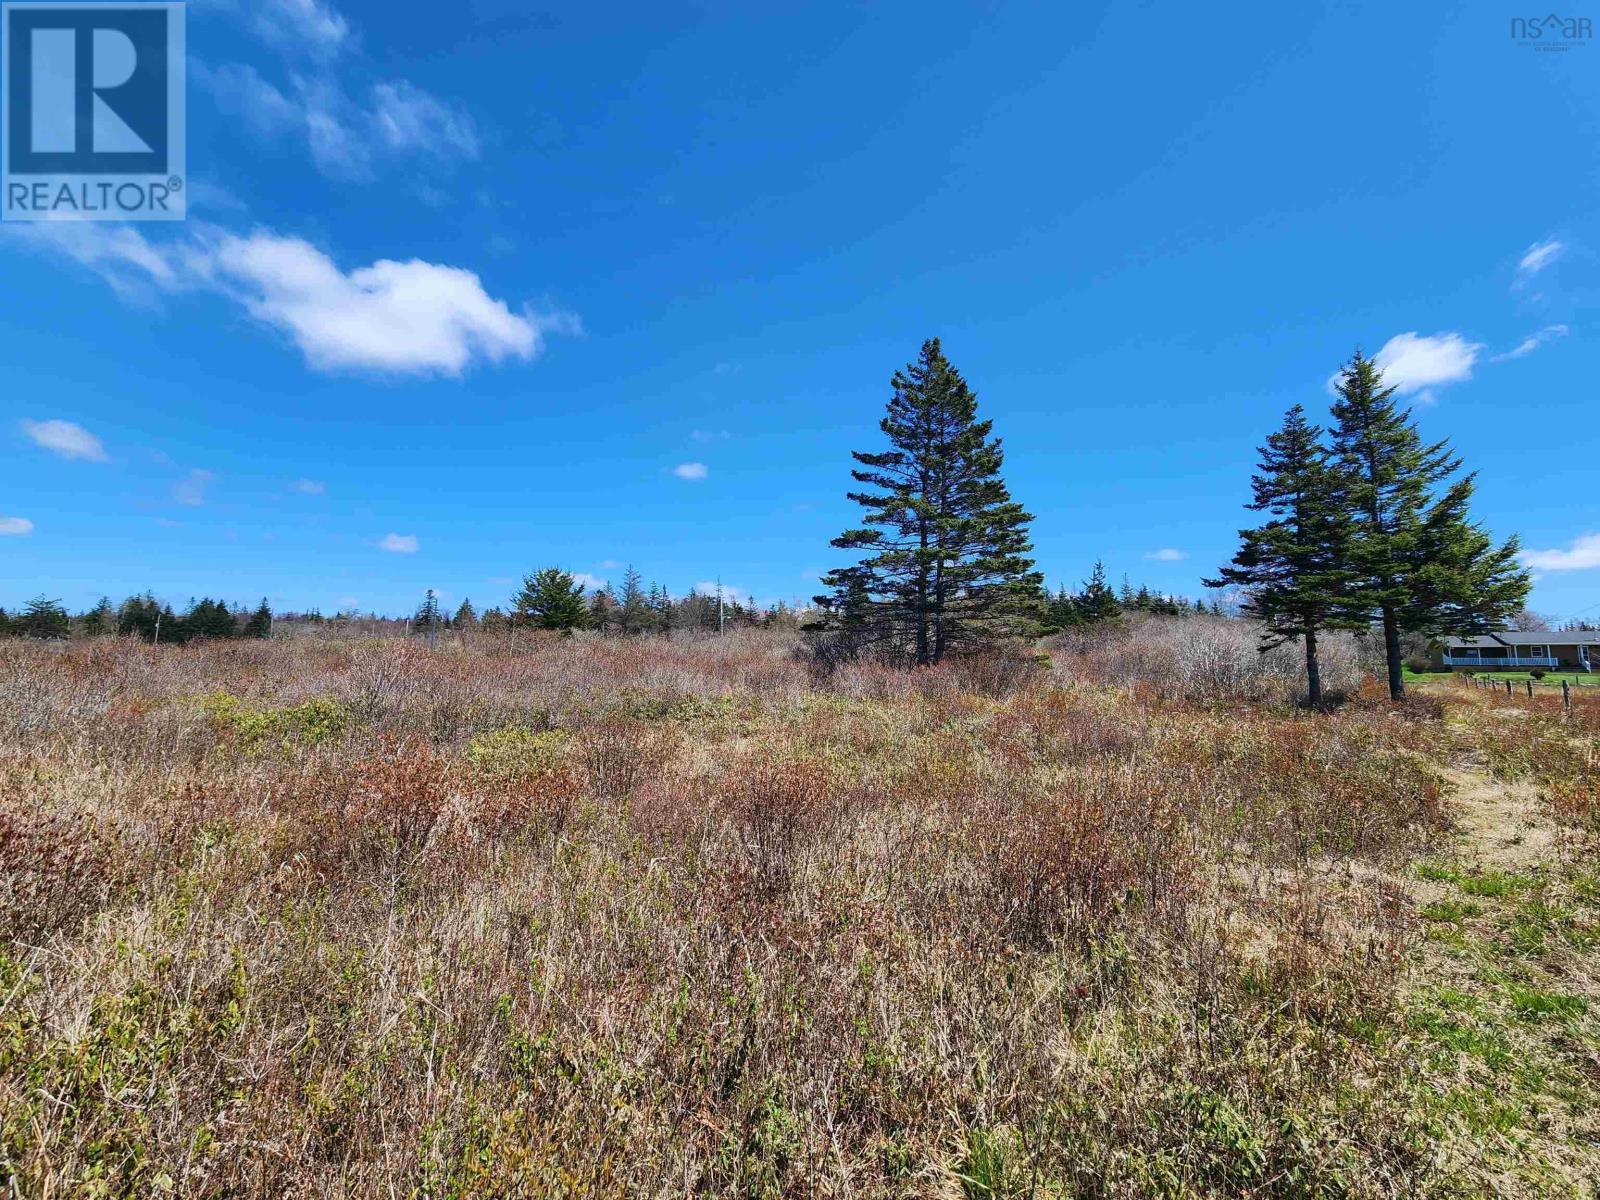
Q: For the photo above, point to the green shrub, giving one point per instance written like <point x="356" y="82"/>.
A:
<point x="516" y="751"/>
<point x="307" y="724"/>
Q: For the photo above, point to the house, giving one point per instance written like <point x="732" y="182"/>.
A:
<point x="1575" y="650"/>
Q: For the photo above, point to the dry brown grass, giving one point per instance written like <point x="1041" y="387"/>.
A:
<point x="610" y="917"/>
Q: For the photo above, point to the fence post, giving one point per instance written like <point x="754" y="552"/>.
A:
<point x="1508" y="687"/>
<point x="1566" y="697"/>
<point x="1530" y="689"/>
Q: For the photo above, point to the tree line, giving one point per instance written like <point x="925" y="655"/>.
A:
<point x="143" y="617"/>
<point x="554" y="600"/>
<point x="1098" y="604"/>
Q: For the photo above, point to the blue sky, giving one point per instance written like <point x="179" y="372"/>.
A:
<point x="467" y="290"/>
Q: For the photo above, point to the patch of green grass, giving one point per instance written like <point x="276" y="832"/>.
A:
<point x="1451" y="911"/>
<point x="1481" y="1110"/>
<point x="1483" y="1042"/>
<point x="1534" y="1004"/>
<point x="1497" y="885"/>
<point x="989" y="1166"/>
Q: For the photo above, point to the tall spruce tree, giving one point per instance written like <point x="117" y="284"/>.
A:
<point x="946" y="563"/>
<point x="633" y="603"/>
<point x="100" y="620"/>
<point x="1421" y="565"/>
<point x="429" y="617"/>
<point x="45" y="618"/>
<point x="260" y="623"/>
<point x="550" y="599"/>
<point x="1294" y="570"/>
<point x="1097" y="603"/>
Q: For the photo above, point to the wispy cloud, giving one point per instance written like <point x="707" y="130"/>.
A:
<point x="400" y="543"/>
<point x="592" y="582"/>
<point x="1166" y="554"/>
<point x="191" y="489"/>
<point x="1583" y="554"/>
<point x="15" y="526"/>
<point x="1539" y="256"/>
<point x="1532" y="342"/>
<point x="309" y="487"/>
<point x="408" y="118"/>
<point x="351" y="123"/>
<point x="67" y="439"/>
<point x="710" y="435"/>
<point x="299" y="28"/>
<point x="348" y="137"/>
<point x="694" y="472"/>
<point x="395" y="317"/>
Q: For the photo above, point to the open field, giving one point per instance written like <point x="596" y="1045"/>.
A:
<point x="644" y="917"/>
<point x="1575" y="678"/>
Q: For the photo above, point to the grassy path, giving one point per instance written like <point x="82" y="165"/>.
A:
<point x="1505" y="998"/>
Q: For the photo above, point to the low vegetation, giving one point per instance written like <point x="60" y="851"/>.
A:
<point x="530" y="916"/>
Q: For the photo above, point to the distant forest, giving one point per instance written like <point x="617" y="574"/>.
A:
<point x="551" y="599"/>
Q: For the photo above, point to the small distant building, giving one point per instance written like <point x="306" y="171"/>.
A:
<point x="1576" y="650"/>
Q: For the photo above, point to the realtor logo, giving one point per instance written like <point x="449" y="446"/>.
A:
<point x="94" y="106"/>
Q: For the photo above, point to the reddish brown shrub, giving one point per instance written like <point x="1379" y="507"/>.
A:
<point x="618" y="755"/>
<point x="55" y="870"/>
<point x="1070" y="862"/>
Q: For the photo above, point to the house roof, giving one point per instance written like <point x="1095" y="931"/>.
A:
<point x="1576" y="637"/>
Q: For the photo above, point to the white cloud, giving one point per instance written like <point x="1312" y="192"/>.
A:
<point x="692" y="471"/>
<point x="1532" y="342"/>
<point x="411" y="317"/>
<point x="66" y="439"/>
<point x="1582" y="555"/>
<point x="310" y="487"/>
<point x="731" y="594"/>
<point x="191" y="489"/>
<point x="15" y="526"/>
<point x="1167" y="554"/>
<point x="405" y="317"/>
<point x="1539" y="256"/>
<point x="1411" y="362"/>
<point x="593" y="582"/>
<point x="398" y="543"/>
<point x="710" y="435"/>
<point x="610" y="564"/>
